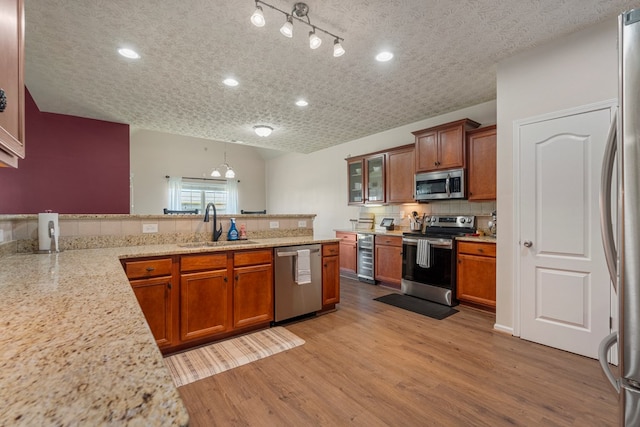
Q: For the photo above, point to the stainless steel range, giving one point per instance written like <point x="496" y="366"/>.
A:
<point x="429" y="258"/>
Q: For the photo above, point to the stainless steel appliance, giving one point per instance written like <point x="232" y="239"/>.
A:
<point x="624" y="266"/>
<point x="448" y="184"/>
<point x="429" y="258"/>
<point x="365" y="258"/>
<point x="298" y="281"/>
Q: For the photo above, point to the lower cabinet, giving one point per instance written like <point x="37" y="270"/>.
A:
<point x="252" y="288"/>
<point x="348" y="252"/>
<point x="388" y="259"/>
<point x="205" y="296"/>
<point x="154" y="297"/>
<point x="153" y="285"/>
<point x="477" y="274"/>
<point x="191" y="299"/>
<point x="330" y="275"/>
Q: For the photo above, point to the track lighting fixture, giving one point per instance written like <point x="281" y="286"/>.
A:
<point x="299" y="12"/>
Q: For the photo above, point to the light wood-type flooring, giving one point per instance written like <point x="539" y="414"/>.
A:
<point x="371" y="364"/>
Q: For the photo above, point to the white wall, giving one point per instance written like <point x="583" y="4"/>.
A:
<point x="317" y="182"/>
<point x="577" y="70"/>
<point x="155" y="155"/>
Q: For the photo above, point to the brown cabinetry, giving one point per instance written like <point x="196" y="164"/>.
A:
<point x="366" y="179"/>
<point x="477" y="274"/>
<point x="400" y="175"/>
<point x="330" y="275"/>
<point x="442" y="147"/>
<point x="348" y="252"/>
<point x="152" y="284"/>
<point x="388" y="259"/>
<point x="253" y="288"/>
<point x="192" y="299"/>
<point x="12" y="82"/>
<point x="205" y="296"/>
<point x="482" y="163"/>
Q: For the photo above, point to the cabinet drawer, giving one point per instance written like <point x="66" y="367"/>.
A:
<point x="329" y="249"/>
<point x="473" y="248"/>
<point x="388" y="240"/>
<point x="252" y="257"/>
<point x="148" y="268"/>
<point x="347" y="237"/>
<point x="203" y="262"/>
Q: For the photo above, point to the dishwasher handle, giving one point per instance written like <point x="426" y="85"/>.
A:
<point x="294" y="253"/>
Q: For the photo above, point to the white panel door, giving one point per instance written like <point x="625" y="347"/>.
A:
<point x="564" y="283"/>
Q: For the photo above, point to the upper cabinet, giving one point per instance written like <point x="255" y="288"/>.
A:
<point x="482" y="163"/>
<point x="401" y="175"/>
<point x="366" y="179"/>
<point x="442" y="147"/>
<point x="11" y="82"/>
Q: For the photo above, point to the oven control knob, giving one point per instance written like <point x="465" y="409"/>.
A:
<point x="463" y="220"/>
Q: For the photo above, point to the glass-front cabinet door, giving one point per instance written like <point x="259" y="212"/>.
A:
<point x="375" y="179"/>
<point x="356" y="182"/>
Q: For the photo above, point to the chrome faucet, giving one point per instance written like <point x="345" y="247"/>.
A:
<point x="216" y="233"/>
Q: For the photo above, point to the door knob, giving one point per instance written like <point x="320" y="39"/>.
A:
<point x="528" y="243"/>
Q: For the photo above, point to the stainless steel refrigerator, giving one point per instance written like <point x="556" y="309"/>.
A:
<point x="622" y="246"/>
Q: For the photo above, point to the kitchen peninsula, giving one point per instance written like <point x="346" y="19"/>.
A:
<point x="76" y="348"/>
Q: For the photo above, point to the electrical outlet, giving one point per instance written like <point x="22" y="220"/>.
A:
<point x="302" y="224"/>
<point x="149" y="228"/>
<point x="274" y="224"/>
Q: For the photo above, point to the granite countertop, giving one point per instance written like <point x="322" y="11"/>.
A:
<point x="75" y="347"/>
<point x="486" y="239"/>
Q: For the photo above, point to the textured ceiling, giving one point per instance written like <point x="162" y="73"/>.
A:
<point x="446" y="53"/>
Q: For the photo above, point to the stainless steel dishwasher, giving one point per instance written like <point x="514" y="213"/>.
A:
<point x="296" y="298"/>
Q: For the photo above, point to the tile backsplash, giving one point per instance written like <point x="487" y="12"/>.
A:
<point x="400" y="213"/>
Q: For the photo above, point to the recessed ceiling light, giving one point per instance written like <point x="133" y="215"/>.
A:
<point x="230" y="82"/>
<point x="128" y="53"/>
<point x="384" y="56"/>
<point x="301" y="103"/>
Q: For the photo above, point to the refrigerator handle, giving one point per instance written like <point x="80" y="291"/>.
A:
<point x="606" y="226"/>
<point x="605" y="345"/>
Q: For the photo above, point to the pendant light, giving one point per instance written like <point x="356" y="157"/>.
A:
<point x="229" y="173"/>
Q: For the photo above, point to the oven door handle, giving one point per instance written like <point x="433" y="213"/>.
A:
<point x="434" y="243"/>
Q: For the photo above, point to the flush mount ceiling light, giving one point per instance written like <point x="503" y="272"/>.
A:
<point x="299" y="12"/>
<point x="301" y="103"/>
<point x="229" y="173"/>
<point x="231" y="82"/>
<point x="262" y="130"/>
<point x="128" y="53"/>
<point x="384" y="56"/>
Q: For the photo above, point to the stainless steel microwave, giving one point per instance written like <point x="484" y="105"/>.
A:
<point x="447" y="184"/>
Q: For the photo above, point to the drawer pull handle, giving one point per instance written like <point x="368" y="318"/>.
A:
<point x="150" y="269"/>
<point x="480" y="250"/>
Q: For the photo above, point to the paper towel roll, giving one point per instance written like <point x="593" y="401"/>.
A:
<point x="44" y="237"/>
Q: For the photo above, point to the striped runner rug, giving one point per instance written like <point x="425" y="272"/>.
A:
<point x="202" y="362"/>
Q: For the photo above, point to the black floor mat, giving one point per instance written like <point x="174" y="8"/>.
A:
<point x="417" y="305"/>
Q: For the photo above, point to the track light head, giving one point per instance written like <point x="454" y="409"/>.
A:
<point x="338" y="50"/>
<point x="287" y="28"/>
<point x="314" y="40"/>
<point x="257" y="18"/>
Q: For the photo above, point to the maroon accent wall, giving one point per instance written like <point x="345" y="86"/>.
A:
<point x="73" y="165"/>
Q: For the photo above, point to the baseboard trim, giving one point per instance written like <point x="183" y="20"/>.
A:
<point x="502" y="328"/>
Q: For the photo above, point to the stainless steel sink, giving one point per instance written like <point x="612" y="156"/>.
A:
<point x="215" y="244"/>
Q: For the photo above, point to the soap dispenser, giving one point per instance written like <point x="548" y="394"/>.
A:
<point x="233" y="231"/>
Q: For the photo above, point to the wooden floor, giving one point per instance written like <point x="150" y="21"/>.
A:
<point x="371" y="364"/>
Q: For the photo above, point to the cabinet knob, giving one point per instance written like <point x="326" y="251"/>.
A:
<point x="225" y="279"/>
<point x="169" y="285"/>
<point x="150" y="269"/>
<point x="237" y="277"/>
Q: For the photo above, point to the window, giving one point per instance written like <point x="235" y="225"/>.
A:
<point x="188" y="194"/>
